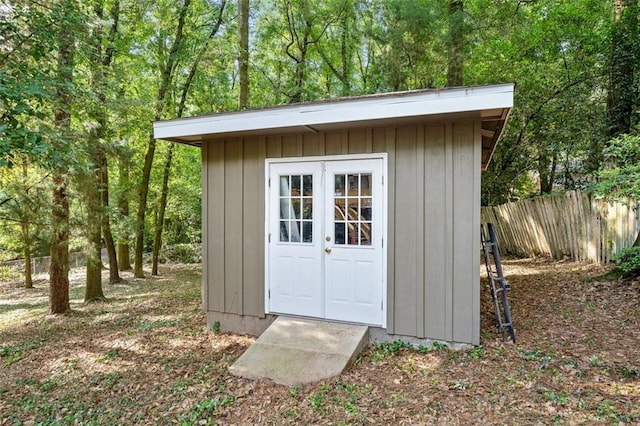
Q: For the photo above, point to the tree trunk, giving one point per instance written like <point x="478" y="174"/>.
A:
<point x="114" y="275"/>
<point x="456" y="43"/>
<point x="124" y="257"/>
<point x="143" y="191"/>
<point x="243" y="57"/>
<point x="621" y="94"/>
<point x="26" y="237"/>
<point x="93" y="288"/>
<point x="163" y="203"/>
<point x="59" y="268"/>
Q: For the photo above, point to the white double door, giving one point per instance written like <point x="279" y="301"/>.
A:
<point x="325" y="239"/>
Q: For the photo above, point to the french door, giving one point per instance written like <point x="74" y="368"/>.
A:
<point x="325" y="226"/>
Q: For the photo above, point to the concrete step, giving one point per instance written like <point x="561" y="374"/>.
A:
<point x="294" y="351"/>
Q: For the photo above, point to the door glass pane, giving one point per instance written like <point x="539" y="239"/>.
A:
<point x="295" y="185"/>
<point x="307" y="231"/>
<point x="353" y="233"/>
<point x="307" y="210"/>
<point x="365" y="208"/>
<point x="340" y="214"/>
<point x="339" y="232"/>
<point x="339" y="186"/>
<point x="284" y="231"/>
<point x="296" y="208"/>
<point x="308" y="185"/>
<point x="296" y="204"/>
<point x="352" y="210"/>
<point x="365" y="184"/>
<point x="284" y="186"/>
<point x="353" y="184"/>
<point x="285" y="208"/>
<point x="295" y="231"/>
<point x="365" y="234"/>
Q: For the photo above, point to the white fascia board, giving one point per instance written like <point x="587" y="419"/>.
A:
<point x="366" y="108"/>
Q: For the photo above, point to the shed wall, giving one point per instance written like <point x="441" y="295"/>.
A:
<point x="433" y="233"/>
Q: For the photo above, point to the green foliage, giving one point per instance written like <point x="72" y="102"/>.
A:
<point x="392" y="348"/>
<point x="620" y="177"/>
<point x="628" y="261"/>
<point x="202" y="412"/>
<point x="14" y="353"/>
<point x="151" y="325"/>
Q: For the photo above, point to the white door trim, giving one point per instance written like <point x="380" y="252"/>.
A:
<point x="351" y="157"/>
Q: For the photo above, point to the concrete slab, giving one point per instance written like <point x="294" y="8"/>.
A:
<point x="294" y="351"/>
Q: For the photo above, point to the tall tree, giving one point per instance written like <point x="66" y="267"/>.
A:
<point x="624" y="58"/>
<point x="157" y="244"/>
<point x="455" y="42"/>
<point x="243" y="53"/>
<point x="59" y="269"/>
<point x="124" y="256"/>
<point x="160" y="103"/>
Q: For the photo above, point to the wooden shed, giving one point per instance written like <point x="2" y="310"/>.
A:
<point x="362" y="209"/>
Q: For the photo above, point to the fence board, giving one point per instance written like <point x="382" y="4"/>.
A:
<point x="569" y="225"/>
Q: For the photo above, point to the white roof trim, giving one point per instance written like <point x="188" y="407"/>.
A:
<point x="343" y="110"/>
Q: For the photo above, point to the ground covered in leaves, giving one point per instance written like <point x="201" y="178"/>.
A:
<point x="144" y="357"/>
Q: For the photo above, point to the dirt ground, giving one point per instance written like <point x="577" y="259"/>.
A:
<point x="144" y="357"/>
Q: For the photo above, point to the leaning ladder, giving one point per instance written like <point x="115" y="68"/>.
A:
<point x="499" y="286"/>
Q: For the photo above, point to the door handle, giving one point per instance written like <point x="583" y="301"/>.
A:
<point x="328" y="250"/>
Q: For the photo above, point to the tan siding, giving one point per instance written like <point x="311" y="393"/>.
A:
<point x="253" y="227"/>
<point x="435" y="254"/>
<point x="311" y="145"/>
<point x="336" y="143"/>
<point x="465" y="229"/>
<point x="475" y="281"/>
<point x="406" y="239"/>
<point x="387" y="142"/>
<point x="421" y="236"/>
<point x="274" y="146"/>
<point x="357" y="141"/>
<point x="204" y="161"/>
<point x="216" y="228"/>
<point x="448" y="231"/>
<point x="233" y="227"/>
<point x="292" y="146"/>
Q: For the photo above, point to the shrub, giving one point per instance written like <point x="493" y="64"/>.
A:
<point x="182" y="253"/>
<point x="628" y="261"/>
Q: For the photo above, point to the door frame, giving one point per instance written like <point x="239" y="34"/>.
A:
<point x="385" y="215"/>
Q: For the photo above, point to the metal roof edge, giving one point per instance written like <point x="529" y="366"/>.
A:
<point x="412" y="103"/>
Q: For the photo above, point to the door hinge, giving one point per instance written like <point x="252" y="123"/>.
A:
<point x="269" y="294"/>
<point x="269" y="182"/>
<point x="383" y="180"/>
<point x="383" y="243"/>
<point x="381" y="305"/>
<point x="269" y="237"/>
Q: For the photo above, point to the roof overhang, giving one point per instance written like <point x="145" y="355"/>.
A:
<point x="490" y="104"/>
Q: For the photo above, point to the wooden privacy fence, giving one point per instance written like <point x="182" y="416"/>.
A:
<point x="572" y="225"/>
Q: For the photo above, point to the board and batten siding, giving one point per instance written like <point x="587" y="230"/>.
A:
<point x="433" y="218"/>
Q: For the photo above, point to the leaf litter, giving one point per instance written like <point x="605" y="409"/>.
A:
<point x="144" y="357"/>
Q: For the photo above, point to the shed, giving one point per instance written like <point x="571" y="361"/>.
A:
<point x="362" y="209"/>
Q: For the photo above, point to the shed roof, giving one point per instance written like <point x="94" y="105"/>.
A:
<point x="491" y="104"/>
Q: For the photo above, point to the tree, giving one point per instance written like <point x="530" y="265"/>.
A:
<point x="455" y="65"/>
<point x="167" y="166"/>
<point x="165" y="80"/>
<point x="59" y="269"/>
<point x="243" y="53"/>
<point x="624" y="58"/>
